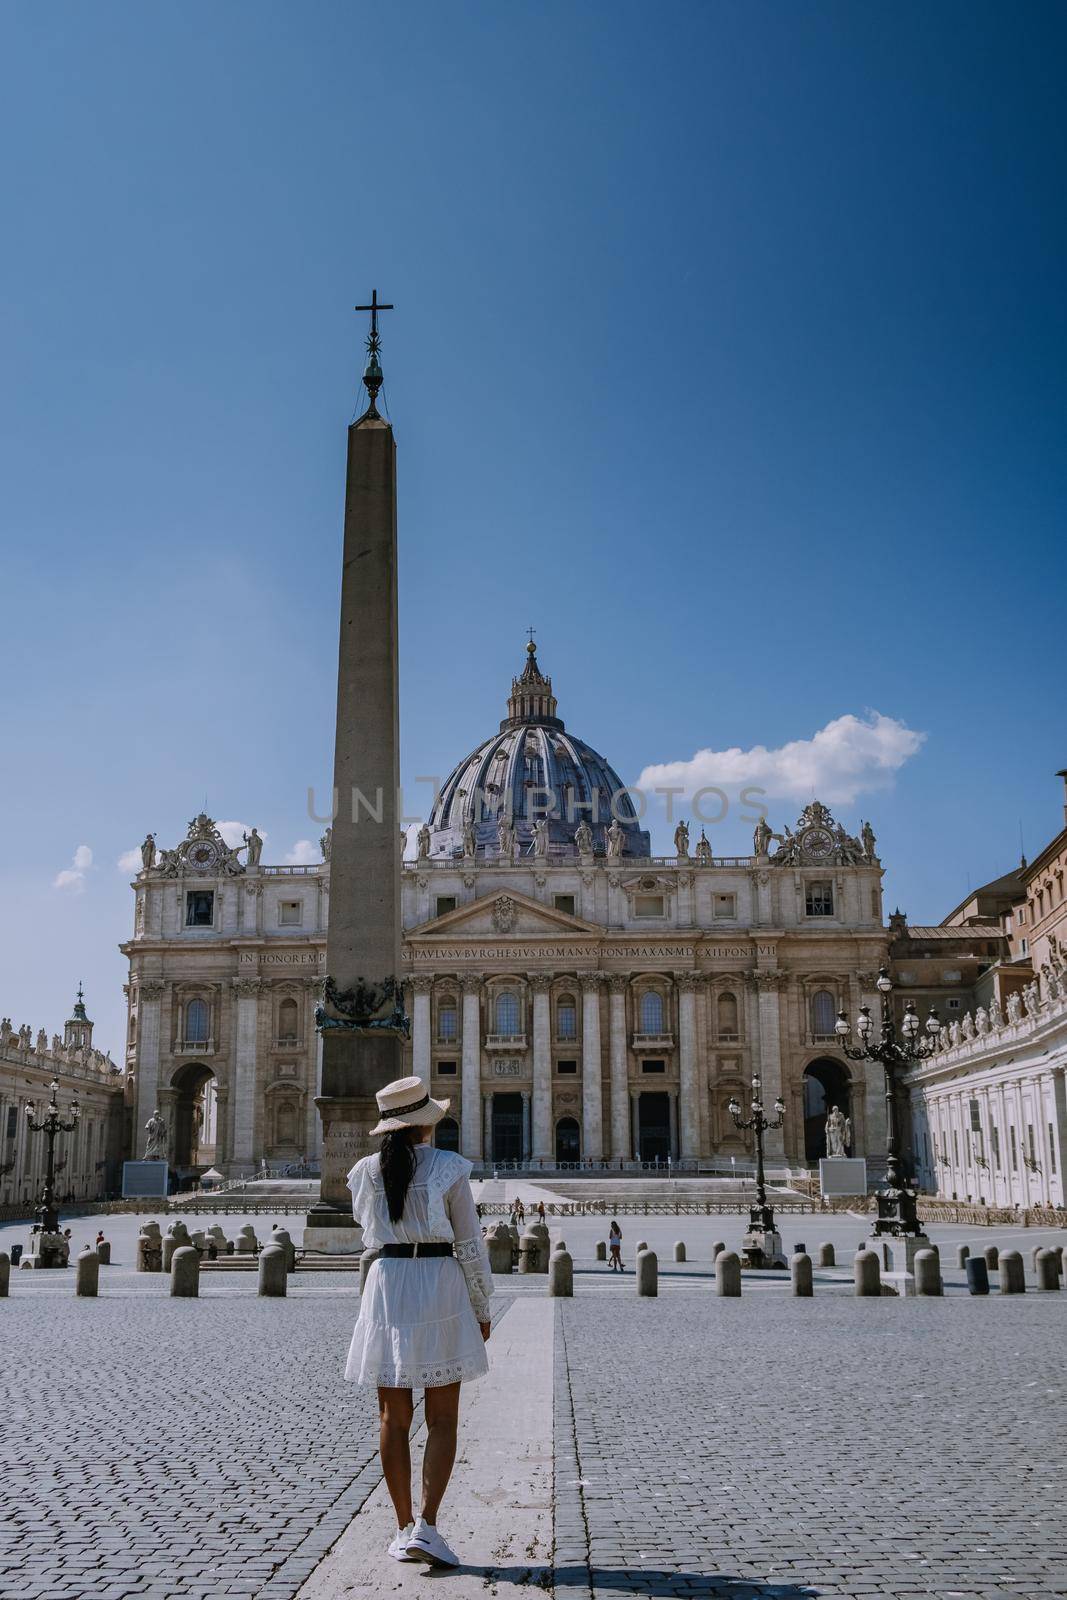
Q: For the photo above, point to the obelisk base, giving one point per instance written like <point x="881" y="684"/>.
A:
<point x="355" y="1064"/>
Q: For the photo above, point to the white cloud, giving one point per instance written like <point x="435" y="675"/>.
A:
<point x="234" y="832"/>
<point x="73" y="877"/>
<point x="130" y="860"/>
<point x="850" y="756"/>
<point x="303" y="854"/>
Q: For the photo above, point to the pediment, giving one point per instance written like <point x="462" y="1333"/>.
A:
<point x="503" y="914"/>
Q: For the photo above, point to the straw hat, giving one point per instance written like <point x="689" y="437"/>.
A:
<point x="406" y="1103"/>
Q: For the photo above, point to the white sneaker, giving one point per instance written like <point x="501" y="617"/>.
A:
<point x="426" y="1544"/>
<point x="398" y="1547"/>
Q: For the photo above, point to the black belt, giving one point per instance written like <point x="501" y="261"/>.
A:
<point x="406" y="1251"/>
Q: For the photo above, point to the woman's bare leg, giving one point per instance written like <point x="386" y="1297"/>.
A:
<point x="442" y="1417"/>
<point x="395" y="1410"/>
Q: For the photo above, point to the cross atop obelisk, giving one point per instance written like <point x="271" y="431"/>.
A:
<point x="372" y="377"/>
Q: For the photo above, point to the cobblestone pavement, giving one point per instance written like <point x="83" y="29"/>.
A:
<point x="159" y="1447"/>
<point x="769" y="1447"/>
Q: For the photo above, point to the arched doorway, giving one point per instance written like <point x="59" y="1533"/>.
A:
<point x="446" y="1134"/>
<point x="568" y="1140"/>
<point x="826" y="1084"/>
<point x="195" y="1120"/>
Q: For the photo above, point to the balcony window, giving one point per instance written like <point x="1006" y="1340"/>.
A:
<point x="823" y="1014"/>
<point x="197" y="1019"/>
<point x="506" y="1013"/>
<point x="652" y="1012"/>
<point x="287" y="1022"/>
<point x="566" y="1018"/>
<point x="726" y="1014"/>
<point x="447" y="1020"/>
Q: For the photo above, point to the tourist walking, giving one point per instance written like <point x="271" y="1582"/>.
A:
<point x="424" y="1313"/>
<point x="615" y="1247"/>
<point x="541" y="1211"/>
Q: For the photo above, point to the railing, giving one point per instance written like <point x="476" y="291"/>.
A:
<point x="194" y="1047"/>
<point x="558" y="856"/>
<point x="505" y="1041"/>
<point x="653" y="1041"/>
<point x="305" y="871"/>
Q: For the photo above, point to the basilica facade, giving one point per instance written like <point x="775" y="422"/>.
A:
<point x="577" y="999"/>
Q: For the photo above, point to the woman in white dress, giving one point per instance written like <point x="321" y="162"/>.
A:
<point x="424" y="1314"/>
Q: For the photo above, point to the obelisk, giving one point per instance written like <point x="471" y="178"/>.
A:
<point x="361" y="1017"/>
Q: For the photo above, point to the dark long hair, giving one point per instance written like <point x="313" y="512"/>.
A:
<point x="398" y="1168"/>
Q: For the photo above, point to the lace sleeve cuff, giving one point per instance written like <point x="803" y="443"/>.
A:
<point x="473" y="1259"/>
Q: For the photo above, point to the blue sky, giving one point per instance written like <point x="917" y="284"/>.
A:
<point x="729" y="353"/>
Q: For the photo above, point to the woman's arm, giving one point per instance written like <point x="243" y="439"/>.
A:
<point x="470" y="1247"/>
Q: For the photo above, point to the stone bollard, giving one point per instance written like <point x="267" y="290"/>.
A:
<point x="927" y="1268"/>
<point x="170" y="1245"/>
<point x="87" y="1281"/>
<point x="282" y="1236"/>
<point x="728" y="1274"/>
<point x="800" y="1275"/>
<point x="992" y="1257"/>
<point x="601" y="1250"/>
<point x="247" y="1244"/>
<point x="977" y="1275"/>
<point x="827" y="1255"/>
<point x="498" y="1243"/>
<point x="561" y="1274"/>
<point x="717" y="1249"/>
<point x="647" y="1272"/>
<point x="366" y="1261"/>
<point x="1047" y="1269"/>
<point x="679" y="1251"/>
<point x="149" y="1256"/>
<point x="643" y="1245"/>
<point x="5" y="1274"/>
<point x="200" y="1241"/>
<point x="185" y="1271"/>
<point x="273" y="1271"/>
<point x="530" y="1254"/>
<point x="800" y="1248"/>
<point x="1035" y="1251"/>
<point x="1012" y="1273"/>
<point x="963" y="1252"/>
<point x="867" y="1272"/>
<point x="561" y="1244"/>
<point x="103" y="1250"/>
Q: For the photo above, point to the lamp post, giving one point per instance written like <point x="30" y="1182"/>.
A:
<point x="898" y="1213"/>
<point x="50" y="1125"/>
<point x="762" y="1245"/>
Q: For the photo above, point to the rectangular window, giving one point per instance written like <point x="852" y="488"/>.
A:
<point x="445" y="902"/>
<point x="446" y="1069"/>
<point x="1024" y="946"/>
<point x="994" y="1139"/>
<point x="955" y="1149"/>
<point x="953" y="1005"/>
<point x="1052" y="1148"/>
<point x="1014" y="1149"/>
<point x="567" y="1068"/>
<point x="564" y="902"/>
<point x="648" y="905"/>
<point x="819" y="898"/>
<point x="1032" y="1142"/>
<point x="725" y="905"/>
<point x="289" y="913"/>
<point x="976" y="1117"/>
<point x="200" y="908"/>
<point x="12" y="1121"/>
<point x="653" y="1066"/>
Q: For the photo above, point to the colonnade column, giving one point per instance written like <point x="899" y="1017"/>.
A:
<point x="689" y="1102"/>
<point x="620" y="1100"/>
<point x="542" y="1069"/>
<point x="422" y="984"/>
<point x="592" y="1094"/>
<point x="770" y="1043"/>
<point x="470" y="1138"/>
<point x="244" y="1078"/>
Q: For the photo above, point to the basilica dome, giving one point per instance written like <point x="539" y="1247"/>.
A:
<point x="532" y="770"/>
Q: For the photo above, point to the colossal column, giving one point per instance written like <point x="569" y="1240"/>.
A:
<point x="770" y="1051"/>
<point x="246" y="991"/>
<point x="542" y="1069"/>
<point x="620" y="1096"/>
<point x="689" y="1099"/>
<point x="422" y="984"/>
<point x="149" y="996"/>
<point x="362" y="1015"/>
<point x="470" y="1141"/>
<point x="592" y="1096"/>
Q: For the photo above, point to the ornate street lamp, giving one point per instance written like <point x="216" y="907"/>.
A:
<point x="50" y="1125"/>
<point x="897" y="1201"/>
<point x="762" y="1245"/>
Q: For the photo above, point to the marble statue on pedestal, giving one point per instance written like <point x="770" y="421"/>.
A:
<point x="838" y="1133"/>
<point x="156" y="1129"/>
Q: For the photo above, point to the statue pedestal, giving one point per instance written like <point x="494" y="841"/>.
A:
<point x="896" y="1257"/>
<point x="47" y="1250"/>
<point x="762" y="1247"/>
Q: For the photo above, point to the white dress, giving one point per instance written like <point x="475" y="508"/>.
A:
<point x="418" y="1317"/>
